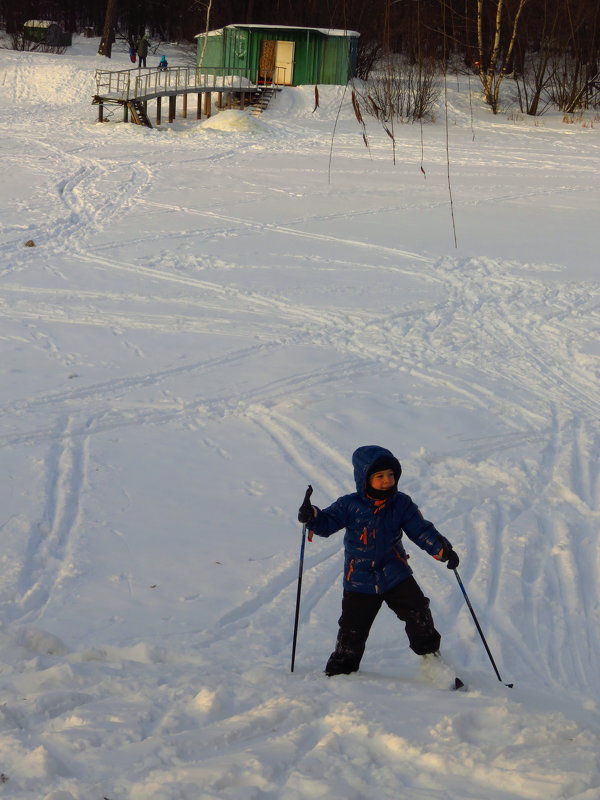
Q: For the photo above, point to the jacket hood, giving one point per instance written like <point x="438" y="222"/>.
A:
<point x="362" y="460"/>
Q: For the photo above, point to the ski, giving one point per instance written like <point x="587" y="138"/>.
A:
<point x="433" y="670"/>
<point x="439" y="673"/>
<point x="450" y="682"/>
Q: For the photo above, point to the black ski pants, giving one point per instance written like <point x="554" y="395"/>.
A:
<point x="359" y="610"/>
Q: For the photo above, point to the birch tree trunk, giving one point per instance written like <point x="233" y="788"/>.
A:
<point x="493" y="72"/>
<point x="208" y="8"/>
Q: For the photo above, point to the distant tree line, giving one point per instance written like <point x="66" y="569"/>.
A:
<point x="172" y="20"/>
<point x="550" y="47"/>
<point x="416" y="28"/>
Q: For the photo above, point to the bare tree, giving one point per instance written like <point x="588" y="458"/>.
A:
<point x="576" y="79"/>
<point x="495" y="55"/>
<point x="207" y="28"/>
<point x="400" y="91"/>
<point x="574" y="86"/>
<point x="537" y="67"/>
<point x="108" y="36"/>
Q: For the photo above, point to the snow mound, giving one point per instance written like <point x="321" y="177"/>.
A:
<point x="37" y="641"/>
<point x="232" y="120"/>
<point x="30" y="78"/>
<point x="302" y="102"/>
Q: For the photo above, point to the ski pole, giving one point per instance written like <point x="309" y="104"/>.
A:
<point x="306" y="501"/>
<point x="478" y="626"/>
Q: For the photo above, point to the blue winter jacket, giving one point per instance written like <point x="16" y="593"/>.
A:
<point x="375" y="559"/>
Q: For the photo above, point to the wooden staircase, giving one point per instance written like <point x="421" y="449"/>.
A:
<point x="261" y="99"/>
<point x="138" y="113"/>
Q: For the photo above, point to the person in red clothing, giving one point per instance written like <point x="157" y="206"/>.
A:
<point x="376" y="566"/>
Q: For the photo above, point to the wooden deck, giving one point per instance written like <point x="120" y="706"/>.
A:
<point x="131" y="87"/>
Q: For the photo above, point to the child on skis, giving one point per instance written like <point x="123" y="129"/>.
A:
<point x="376" y="565"/>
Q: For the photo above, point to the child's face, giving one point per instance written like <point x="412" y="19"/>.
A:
<point x="382" y="480"/>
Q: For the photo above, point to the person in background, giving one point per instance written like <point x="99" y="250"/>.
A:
<point x="163" y="64"/>
<point x="142" y="50"/>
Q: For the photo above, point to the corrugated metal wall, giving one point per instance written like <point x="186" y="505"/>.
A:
<point x="339" y="60"/>
<point x="213" y="54"/>
<point x="318" y="58"/>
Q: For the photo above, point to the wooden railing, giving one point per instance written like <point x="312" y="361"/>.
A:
<point x="129" y="84"/>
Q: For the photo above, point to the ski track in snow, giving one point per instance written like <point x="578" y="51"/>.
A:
<point x="490" y="338"/>
<point x="48" y="560"/>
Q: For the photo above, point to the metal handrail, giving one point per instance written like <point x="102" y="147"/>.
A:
<point x="129" y="84"/>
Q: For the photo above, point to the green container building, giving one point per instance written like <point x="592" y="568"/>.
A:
<point x="46" y="32"/>
<point x="283" y="55"/>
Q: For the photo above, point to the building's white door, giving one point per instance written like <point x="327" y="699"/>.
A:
<point x="284" y="63"/>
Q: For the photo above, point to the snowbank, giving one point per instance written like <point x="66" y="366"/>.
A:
<point x="232" y="120"/>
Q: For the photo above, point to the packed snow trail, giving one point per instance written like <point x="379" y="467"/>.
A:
<point x="203" y="327"/>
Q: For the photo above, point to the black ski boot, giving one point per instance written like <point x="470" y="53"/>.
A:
<point x="347" y="655"/>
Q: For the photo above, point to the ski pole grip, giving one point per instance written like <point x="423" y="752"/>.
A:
<point x="306" y="504"/>
<point x="309" y="491"/>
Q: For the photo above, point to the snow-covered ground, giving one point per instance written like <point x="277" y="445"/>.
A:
<point x="205" y="325"/>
